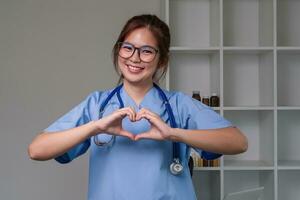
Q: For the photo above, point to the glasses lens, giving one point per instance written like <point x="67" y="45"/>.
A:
<point x="147" y="53"/>
<point x="126" y="50"/>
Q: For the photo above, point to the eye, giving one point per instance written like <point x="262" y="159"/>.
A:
<point x="127" y="47"/>
<point x="147" y="50"/>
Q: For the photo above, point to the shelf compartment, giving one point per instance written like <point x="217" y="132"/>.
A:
<point x="248" y="78"/>
<point x="258" y="127"/>
<point x="288" y="81"/>
<point x="207" y="184"/>
<point x="288" y="185"/>
<point x="288" y="138"/>
<point x="202" y="68"/>
<point x="248" y="23"/>
<point x="288" y="24"/>
<point x="235" y="181"/>
<point x="194" y="23"/>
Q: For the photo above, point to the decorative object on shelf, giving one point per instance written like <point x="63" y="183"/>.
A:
<point x="196" y="95"/>
<point x="205" y="100"/>
<point x="200" y="162"/>
<point x="214" y="100"/>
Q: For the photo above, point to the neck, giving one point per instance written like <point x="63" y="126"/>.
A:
<point x="137" y="91"/>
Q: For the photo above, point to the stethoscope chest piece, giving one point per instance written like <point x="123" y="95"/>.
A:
<point x="176" y="167"/>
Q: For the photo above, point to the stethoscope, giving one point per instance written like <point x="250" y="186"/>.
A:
<point x="176" y="167"/>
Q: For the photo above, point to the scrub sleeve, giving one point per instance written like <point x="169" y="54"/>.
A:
<point x="77" y="116"/>
<point x="197" y="116"/>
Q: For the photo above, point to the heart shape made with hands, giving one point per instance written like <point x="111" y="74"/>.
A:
<point x="159" y="130"/>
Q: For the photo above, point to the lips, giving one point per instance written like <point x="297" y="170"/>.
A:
<point x="134" y="69"/>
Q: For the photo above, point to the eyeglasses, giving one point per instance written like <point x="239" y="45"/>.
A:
<point x="146" y="53"/>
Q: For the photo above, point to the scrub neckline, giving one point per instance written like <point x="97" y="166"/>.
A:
<point x="132" y="102"/>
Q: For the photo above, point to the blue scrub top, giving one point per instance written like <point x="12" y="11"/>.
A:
<point x="135" y="170"/>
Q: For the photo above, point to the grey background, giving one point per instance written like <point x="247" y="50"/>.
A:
<point x="52" y="55"/>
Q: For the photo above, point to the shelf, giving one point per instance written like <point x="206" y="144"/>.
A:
<point x="248" y="78"/>
<point x="216" y="108"/>
<point x="248" y="22"/>
<point x="288" y="26"/>
<point x="200" y="16"/>
<point x="288" y="48"/>
<point x="288" y="135"/>
<point x="247" y="165"/>
<point x="248" y="52"/>
<point x="251" y="50"/>
<point x="193" y="49"/>
<point x="249" y="108"/>
<point x="207" y="168"/>
<point x="235" y="181"/>
<point x="207" y="184"/>
<point x="288" y="81"/>
<point x="288" y="185"/>
<point x="288" y="108"/>
<point x="289" y="164"/>
<point x="258" y="127"/>
<point x="203" y="70"/>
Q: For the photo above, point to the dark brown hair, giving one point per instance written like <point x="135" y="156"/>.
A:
<point x="160" y="31"/>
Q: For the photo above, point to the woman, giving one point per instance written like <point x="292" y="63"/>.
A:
<point x="138" y="134"/>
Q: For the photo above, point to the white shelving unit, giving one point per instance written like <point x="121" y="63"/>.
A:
<point x="247" y="51"/>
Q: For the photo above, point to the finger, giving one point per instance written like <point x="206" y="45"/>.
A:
<point x="126" y="112"/>
<point x="145" y="135"/>
<point x="144" y="111"/>
<point x="132" y="112"/>
<point x="127" y="134"/>
<point x="152" y="113"/>
<point x="152" y="119"/>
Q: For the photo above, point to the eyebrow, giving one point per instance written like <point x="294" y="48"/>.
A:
<point x="146" y="45"/>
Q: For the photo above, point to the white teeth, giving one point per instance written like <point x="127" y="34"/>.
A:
<point x="134" y="69"/>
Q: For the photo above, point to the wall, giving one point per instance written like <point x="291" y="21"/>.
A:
<point x="52" y="54"/>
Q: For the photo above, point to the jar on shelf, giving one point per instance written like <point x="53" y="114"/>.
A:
<point x="205" y="100"/>
<point x="214" y="100"/>
<point x="196" y="95"/>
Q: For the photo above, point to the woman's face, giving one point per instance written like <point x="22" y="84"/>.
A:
<point x="134" y="69"/>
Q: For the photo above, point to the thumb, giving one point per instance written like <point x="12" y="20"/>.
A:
<point x="127" y="134"/>
<point x="143" y="136"/>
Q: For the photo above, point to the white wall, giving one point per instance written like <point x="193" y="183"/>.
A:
<point x="52" y="54"/>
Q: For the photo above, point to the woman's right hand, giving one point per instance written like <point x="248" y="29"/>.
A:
<point x="47" y="145"/>
<point x="112" y="124"/>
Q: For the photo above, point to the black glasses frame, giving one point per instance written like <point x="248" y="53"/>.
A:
<point x="138" y="49"/>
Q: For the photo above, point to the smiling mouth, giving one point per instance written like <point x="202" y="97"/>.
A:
<point x="134" y="69"/>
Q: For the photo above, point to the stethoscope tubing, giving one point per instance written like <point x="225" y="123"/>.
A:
<point x="176" y="166"/>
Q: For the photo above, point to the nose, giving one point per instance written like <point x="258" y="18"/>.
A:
<point x="135" y="56"/>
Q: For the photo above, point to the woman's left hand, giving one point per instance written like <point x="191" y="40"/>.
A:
<point x="159" y="129"/>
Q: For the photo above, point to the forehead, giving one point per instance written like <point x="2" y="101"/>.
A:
<point x="140" y="37"/>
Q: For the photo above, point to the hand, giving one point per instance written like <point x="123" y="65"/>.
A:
<point x="159" y="129"/>
<point x="112" y="123"/>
